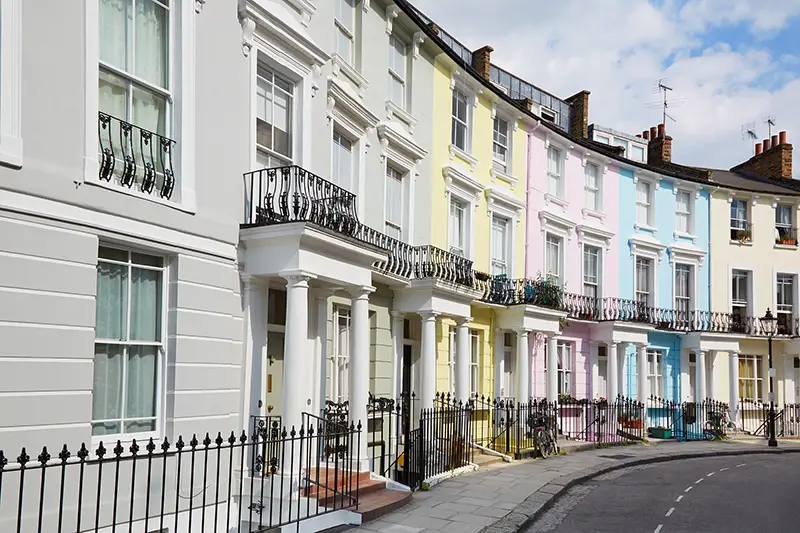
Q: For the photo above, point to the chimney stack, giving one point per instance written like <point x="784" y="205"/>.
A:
<point x="773" y="159"/>
<point x="659" y="149"/>
<point x="481" y="59"/>
<point x="646" y="135"/>
<point x="579" y="116"/>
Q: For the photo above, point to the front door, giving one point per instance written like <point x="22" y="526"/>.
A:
<point x="602" y="378"/>
<point x="509" y="362"/>
<point x="274" y="388"/>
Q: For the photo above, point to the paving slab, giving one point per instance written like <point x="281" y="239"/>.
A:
<point x="504" y="497"/>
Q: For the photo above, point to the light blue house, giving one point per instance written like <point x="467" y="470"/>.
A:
<point x="663" y="273"/>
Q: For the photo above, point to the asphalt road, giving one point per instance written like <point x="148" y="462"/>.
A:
<point x="723" y="494"/>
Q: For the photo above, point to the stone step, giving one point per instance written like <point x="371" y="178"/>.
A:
<point x="484" y="459"/>
<point x="377" y="504"/>
<point x="329" y="497"/>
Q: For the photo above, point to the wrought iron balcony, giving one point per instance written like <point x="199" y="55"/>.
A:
<point x="539" y="292"/>
<point x="433" y="262"/>
<point x="131" y="155"/>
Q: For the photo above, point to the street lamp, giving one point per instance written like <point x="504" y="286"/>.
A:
<point x="769" y="324"/>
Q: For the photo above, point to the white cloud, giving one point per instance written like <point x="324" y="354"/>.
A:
<point x="618" y="49"/>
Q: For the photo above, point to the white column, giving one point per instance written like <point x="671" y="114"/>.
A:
<point x="499" y="362"/>
<point x="552" y="369"/>
<point x="642" y="388"/>
<point x="700" y="377"/>
<point x="594" y="369"/>
<point x="428" y="357"/>
<point x="254" y="349"/>
<point x="398" y="327"/>
<point x="321" y="367"/>
<point x="711" y="360"/>
<point x="523" y="392"/>
<point x="359" y="362"/>
<point x="295" y="350"/>
<point x="613" y="371"/>
<point x="463" y="359"/>
<point x="733" y="384"/>
<point x="622" y="368"/>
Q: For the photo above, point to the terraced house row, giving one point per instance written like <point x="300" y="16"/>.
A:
<point x="227" y="218"/>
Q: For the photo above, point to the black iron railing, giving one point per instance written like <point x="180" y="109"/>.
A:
<point x="131" y="155"/>
<point x="241" y="482"/>
<point x="601" y="421"/>
<point x="704" y="420"/>
<point x="445" y="434"/>
<point x="391" y="446"/>
<point x="433" y="262"/>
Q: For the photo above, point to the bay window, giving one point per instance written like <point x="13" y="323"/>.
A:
<point x="274" y="109"/>
<point x="129" y="343"/>
<point x="500" y="246"/>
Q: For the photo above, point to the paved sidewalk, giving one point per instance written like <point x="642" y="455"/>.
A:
<point x="502" y="497"/>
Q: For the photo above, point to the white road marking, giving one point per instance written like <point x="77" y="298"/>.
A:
<point x="671" y="510"/>
<point x="698" y="481"/>
<point x="678" y="500"/>
<point x="724" y="469"/>
<point x="688" y="489"/>
<point x="741" y="465"/>
<point x="710" y="474"/>
<point x="658" y="528"/>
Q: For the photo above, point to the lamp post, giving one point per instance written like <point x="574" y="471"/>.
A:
<point x="769" y="324"/>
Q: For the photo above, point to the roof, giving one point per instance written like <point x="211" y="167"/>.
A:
<point x="739" y="180"/>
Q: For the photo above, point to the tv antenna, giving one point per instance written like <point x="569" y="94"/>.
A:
<point x="749" y="131"/>
<point x="770" y="122"/>
<point x="665" y="103"/>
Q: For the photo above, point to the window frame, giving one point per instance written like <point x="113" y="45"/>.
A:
<point x="397" y="76"/>
<point x="757" y="379"/>
<point x="504" y="164"/>
<point x="474" y="362"/>
<point x="565" y="366"/>
<point x="597" y="189"/>
<point x="340" y="387"/>
<point x="388" y="199"/>
<point x="783" y="309"/>
<point x="334" y="175"/>
<point x="735" y="303"/>
<point x="162" y="353"/>
<point x="655" y="361"/>
<point x="788" y="229"/>
<point x="293" y="112"/>
<point x="560" y="240"/>
<point x="598" y="275"/>
<point x="506" y="261"/>
<point x="466" y="122"/>
<point x="342" y="29"/>
<point x="687" y="215"/>
<point x="650" y="292"/>
<point x="558" y="175"/>
<point x="689" y="298"/>
<point x="649" y="205"/>
<point x="11" y="143"/>
<point x="464" y="206"/>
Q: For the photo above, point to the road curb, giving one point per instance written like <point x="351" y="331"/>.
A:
<point x="540" y="501"/>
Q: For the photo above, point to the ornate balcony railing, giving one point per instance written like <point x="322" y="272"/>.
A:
<point x="131" y="155"/>
<point x="433" y="262"/>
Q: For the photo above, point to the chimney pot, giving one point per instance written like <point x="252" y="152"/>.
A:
<point x="774" y="141"/>
<point x="758" y="148"/>
<point x="660" y="130"/>
<point x="646" y="134"/>
<point x="782" y="137"/>
<point x="653" y="132"/>
<point x="765" y="142"/>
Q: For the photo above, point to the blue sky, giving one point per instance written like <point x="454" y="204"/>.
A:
<point x="734" y="62"/>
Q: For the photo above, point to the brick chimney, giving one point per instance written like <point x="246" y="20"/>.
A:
<point x="659" y="149"/>
<point x="772" y="159"/>
<point x="481" y="59"/>
<point x="579" y="119"/>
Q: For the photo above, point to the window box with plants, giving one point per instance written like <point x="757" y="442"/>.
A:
<point x="630" y="421"/>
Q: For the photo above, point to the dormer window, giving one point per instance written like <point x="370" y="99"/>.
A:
<point x="548" y="115"/>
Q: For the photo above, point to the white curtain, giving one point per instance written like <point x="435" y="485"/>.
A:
<point x="145" y="305"/>
<point x="114" y="16"/>
<point x="142" y="377"/>
<point x="107" y="388"/>
<point x="111" y="303"/>
<point x="151" y="29"/>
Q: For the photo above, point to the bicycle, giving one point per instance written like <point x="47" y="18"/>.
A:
<point x="544" y="441"/>
<point x="720" y="426"/>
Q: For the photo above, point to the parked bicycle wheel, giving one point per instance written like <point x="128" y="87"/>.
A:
<point x="540" y="443"/>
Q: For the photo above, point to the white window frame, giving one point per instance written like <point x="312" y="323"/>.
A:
<point x="558" y="175"/>
<point x="791" y="226"/>
<point x="451" y="358"/>
<point x="688" y="215"/>
<point x="565" y="356"/>
<point x="460" y="186"/>
<point x="650" y="294"/>
<point x="757" y="380"/>
<point x="740" y="224"/>
<point x="602" y="139"/>
<point x="354" y="162"/>
<point x="655" y="372"/>
<point x="789" y="310"/>
<point x="643" y="149"/>
<point x="341" y="29"/>
<point x="11" y="146"/>
<point x="500" y="203"/>
<point x="403" y="156"/>
<point x="559" y="144"/>
<point x="466" y="122"/>
<point x="470" y="89"/>
<point x="504" y="263"/>
<point x="561" y="242"/>
<point x="161" y="345"/>
<point x="389" y="199"/>
<point x="624" y="143"/>
<point x="691" y="284"/>
<point x="650" y="205"/>
<point x="598" y="283"/>
<point x="736" y="273"/>
<point x="684" y="254"/>
<point x="596" y="189"/>
<point x="474" y="362"/>
<point x="182" y="85"/>
<point x="261" y="149"/>
<point x="647" y="249"/>
<point x="597" y="238"/>
<point x="340" y="382"/>
<point x="561" y="227"/>
<point x="401" y="78"/>
<point x="503" y="165"/>
<point x="508" y="355"/>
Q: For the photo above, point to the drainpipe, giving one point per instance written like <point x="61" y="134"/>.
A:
<point x="528" y="175"/>
<point x="710" y="194"/>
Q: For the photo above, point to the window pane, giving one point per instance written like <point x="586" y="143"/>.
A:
<point x="344" y="45"/>
<point x="107" y="389"/>
<point x="396" y="90"/>
<point x="783" y="215"/>
<point x="112" y="95"/>
<point x="151" y="31"/>
<point x="141" y="383"/>
<point x="149" y="111"/>
<point x="111" y="303"/>
<point x="145" y="305"/>
<point x="113" y="24"/>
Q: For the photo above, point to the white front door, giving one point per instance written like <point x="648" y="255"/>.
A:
<point x="274" y="390"/>
<point x="602" y="378"/>
<point x="509" y="372"/>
